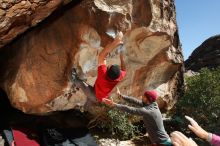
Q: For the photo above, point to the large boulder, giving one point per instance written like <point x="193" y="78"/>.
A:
<point x="35" y="68"/>
<point x="16" y="16"/>
<point x="206" y="55"/>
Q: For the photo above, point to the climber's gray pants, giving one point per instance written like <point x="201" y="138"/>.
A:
<point x="88" y="90"/>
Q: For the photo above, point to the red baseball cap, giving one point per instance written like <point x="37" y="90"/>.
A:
<point x="151" y="95"/>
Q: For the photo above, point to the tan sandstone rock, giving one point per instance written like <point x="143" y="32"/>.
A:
<point x="35" y="68"/>
<point x="16" y="16"/>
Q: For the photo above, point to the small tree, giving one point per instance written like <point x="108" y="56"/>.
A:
<point x="201" y="99"/>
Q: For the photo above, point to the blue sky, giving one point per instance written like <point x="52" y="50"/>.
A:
<point x="197" y="21"/>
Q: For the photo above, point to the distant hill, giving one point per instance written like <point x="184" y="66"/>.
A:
<point x="206" y="55"/>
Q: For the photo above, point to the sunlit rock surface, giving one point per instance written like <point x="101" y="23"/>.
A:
<point x="35" y="67"/>
<point x="16" y="16"/>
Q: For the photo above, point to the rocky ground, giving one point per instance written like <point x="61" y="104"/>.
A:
<point x="139" y="141"/>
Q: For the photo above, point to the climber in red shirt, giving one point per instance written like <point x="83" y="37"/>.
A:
<point x="108" y="76"/>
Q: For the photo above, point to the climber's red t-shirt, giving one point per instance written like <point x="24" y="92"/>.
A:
<point x="104" y="85"/>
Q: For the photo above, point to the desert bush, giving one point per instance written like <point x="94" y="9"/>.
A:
<point x="108" y="122"/>
<point x="201" y="99"/>
<point x="118" y="124"/>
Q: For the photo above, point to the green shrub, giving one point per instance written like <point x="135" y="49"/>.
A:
<point x="201" y="99"/>
<point x="118" y="124"/>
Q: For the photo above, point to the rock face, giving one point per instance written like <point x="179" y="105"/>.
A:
<point x="16" y="16"/>
<point x="206" y="55"/>
<point x="35" y="68"/>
